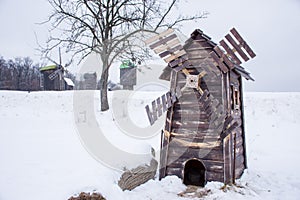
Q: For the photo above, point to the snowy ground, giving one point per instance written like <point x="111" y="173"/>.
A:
<point x="42" y="156"/>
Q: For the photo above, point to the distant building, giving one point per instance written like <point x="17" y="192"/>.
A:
<point x="88" y="81"/>
<point x="53" y="78"/>
<point x="127" y="75"/>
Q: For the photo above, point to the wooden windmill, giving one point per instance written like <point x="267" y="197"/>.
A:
<point x="54" y="75"/>
<point x="204" y="138"/>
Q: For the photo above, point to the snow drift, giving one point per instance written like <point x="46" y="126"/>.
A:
<point x="42" y="155"/>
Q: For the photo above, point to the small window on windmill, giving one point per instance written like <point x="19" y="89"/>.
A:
<point x="236" y="98"/>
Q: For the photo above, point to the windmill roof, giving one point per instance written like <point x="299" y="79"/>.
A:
<point x="198" y="35"/>
<point x="49" y="67"/>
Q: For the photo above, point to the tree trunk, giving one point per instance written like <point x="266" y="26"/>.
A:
<point x="103" y="89"/>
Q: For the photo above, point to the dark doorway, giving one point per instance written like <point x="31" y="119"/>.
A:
<point x="194" y="173"/>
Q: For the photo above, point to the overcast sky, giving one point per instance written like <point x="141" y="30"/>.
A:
<point x="271" y="27"/>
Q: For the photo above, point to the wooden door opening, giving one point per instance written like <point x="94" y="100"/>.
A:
<point x="194" y="173"/>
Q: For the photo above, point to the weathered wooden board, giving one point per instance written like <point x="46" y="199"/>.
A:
<point x="230" y="52"/>
<point x="216" y="155"/>
<point x="167" y="45"/>
<point x="175" y="56"/>
<point x="242" y="42"/>
<point x="157" y="37"/>
<point x="149" y="114"/>
<point x="228" y="159"/>
<point x="163" y="41"/>
<point x="205" y="145"/>
<point x="223" y="57"/>
<point x="236" y="47"/>
<point x="218" y="62"/>
<point x="182" y="59"/>
<point x="170" y="51"/>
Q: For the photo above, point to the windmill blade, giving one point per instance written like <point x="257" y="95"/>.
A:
<point x="161" y="104"/>
<point x="167" y="45"/>
<point x="59" y="56"/>
<point x="229" y="58"/>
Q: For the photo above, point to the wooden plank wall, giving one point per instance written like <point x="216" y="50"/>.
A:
<point x="192" y="135"/>
<point x="237" y="114"/>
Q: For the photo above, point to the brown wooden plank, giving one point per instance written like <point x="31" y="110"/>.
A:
<point x="175" y="56"/>
<point x="236" y="47"/>
<point x="163" y="155"/>
<point x="159" y="107"/>
<point x="170" y="51"/>
<point x="173" y="97"/>
<point x="166" y="46"/>
<point x="213" y="176"/>
<point x="181" y="66"/>
<point x="178" y="92"/>
<point x="224" y="57"/>
<point x="210" y="165"/>
<point x="226" y="132"/>
<point x="230" y="52"/>
<point x="191" y="115"/>
<point x="227" y="151"/>
<point x="218" y="62"/>
<point x="204" y="96"/>
<point x="204" y="125"/>
<point x="228" y="121"/>
<point x="154" y="110"/>
<point x="149" y="114"/>
<point x="182" y="59"/>
<point x="163" y="41"/>
<point x="164" y="102"/>
<point x="197" y="136"/>
<point x="242" y="42"/>
<point x="204" y="145"/>
<point x="169" y="101"/>
<point x="160" y="35"/>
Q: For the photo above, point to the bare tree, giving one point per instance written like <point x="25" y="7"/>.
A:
<point x="113" y="29"/>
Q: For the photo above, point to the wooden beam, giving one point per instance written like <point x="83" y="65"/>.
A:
<point x="173" y="57"/>
<point x="166" y="46"/>
<point x="230" y="52"/>
<point x="156" y="37"/>
<point x="163" y="41"/>
<point x="170" y="51"/>
<point x="182" y="59"/>
<point x="242" y="42"/>
<point x="218" y="62"/>
<point x="223" y="57"/>
<point x="236" y="47"/>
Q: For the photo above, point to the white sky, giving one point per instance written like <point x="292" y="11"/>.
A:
<point x="271" y="27"/>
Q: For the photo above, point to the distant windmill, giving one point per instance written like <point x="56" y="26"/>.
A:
<point x="55" y="75"/>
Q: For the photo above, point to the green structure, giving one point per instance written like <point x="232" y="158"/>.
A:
<point x="127" y="75"/>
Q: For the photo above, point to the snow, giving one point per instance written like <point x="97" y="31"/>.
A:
<point x="43" y="155"/>
<point x="69" y="81"/>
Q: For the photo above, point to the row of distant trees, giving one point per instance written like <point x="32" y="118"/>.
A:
<point x="19" y="74"/>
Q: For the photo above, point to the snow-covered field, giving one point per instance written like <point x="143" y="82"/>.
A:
<point x="43" y="157"/>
